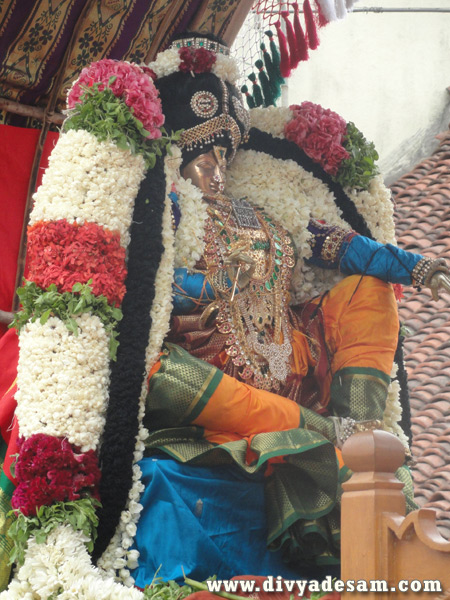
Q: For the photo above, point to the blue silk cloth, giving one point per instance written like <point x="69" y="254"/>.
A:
<point x="387" y="262"/>
<point x="207" y="521"/>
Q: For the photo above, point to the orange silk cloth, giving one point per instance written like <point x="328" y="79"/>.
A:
<point x="359" y="324"/>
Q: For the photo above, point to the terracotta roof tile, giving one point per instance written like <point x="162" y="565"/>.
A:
<point x="422" y="209"/>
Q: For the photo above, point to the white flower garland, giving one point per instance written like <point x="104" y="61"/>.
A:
<point x="118" y="559"/>
<point x="377" y="208"/>
<point x="271" y="119"/>
<point x="375" y="204"/>
<point x="62" y="568"/>
<point x="63" y="380"/>
<point x="88" y="180"/>
<point x="162" y="304"/>
<point x="393" y="411"/>
<point x="189" y="238"/>
<point x="168" y="62"/>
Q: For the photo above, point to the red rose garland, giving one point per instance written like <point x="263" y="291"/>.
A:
<point x="64" y="254"/>
<point x="320" y="133"/>
<point x="50" y="469"/>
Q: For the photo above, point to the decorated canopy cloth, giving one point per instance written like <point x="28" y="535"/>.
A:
<point x="36" y="34"/>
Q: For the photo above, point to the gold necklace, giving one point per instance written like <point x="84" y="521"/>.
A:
<point x="256" y="322"/>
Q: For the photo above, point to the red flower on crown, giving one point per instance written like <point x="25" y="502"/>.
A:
<point x="196" y="60"/>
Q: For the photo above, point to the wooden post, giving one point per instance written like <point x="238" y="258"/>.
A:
<point x="6" y="317"/>
<point x="373" y="456"/>
<point x="30" y="111"/>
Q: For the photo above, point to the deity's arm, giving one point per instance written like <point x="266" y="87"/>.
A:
<point x="190" y="291"/>
<point x="337" y="248"/>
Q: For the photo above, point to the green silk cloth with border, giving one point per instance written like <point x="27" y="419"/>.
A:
<point x="302" y="492"/>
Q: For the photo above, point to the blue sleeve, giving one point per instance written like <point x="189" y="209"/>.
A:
<point x="190" y="290"/>
<point x="364" y="256"/>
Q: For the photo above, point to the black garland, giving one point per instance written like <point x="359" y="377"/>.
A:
<point x="402" y="377"/>
<point x="119" y="438"/>
<point x="284" y="150"/>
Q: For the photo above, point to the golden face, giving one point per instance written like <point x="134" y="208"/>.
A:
<point x="208" y="171"/>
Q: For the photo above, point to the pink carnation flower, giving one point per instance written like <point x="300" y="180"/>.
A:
<point x="131" y="83"/>
<point x="319" y="133"/>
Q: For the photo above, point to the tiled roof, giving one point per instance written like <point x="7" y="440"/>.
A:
<point x="423" y="225"/>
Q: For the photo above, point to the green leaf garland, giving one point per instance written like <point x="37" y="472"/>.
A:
<point x="358" y="170"/>
<point x="110" y="119"/>
<point x="41" y="304"/>
<point x="80" y="514"/>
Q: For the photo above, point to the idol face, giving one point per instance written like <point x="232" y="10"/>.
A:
<point x="208" y="171"/>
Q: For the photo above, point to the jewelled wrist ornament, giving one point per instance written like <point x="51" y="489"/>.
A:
<point x="425" y="269"/>
<point x="346" y="427"/>
<point x="327" y="243"/>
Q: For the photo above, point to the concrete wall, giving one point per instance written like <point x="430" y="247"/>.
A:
<point x="388" y="73"/>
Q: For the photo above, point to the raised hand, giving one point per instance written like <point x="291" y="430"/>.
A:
<point x="439" y="281"/>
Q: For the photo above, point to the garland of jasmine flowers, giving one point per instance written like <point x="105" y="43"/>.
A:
<point x="282" y="149"/>
<point x="119" y="437"/>
<point x="78" y="234"/>
<point x="117" y="559"/>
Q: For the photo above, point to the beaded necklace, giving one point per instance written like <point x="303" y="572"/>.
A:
<point x="255" y="320"/>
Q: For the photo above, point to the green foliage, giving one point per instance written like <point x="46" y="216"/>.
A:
<point x="80" y="514"/>
<point x="170" y="590"/>
<point x="109" y="118"/>
<point x="358" y="170"/>
<point x="167" y="590"/>
<point x="41" y="304"/>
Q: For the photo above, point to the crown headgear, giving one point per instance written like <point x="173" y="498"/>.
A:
<point x="196" y="96"/>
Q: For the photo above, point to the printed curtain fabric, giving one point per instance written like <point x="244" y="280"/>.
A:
<point x="36" y="34"/>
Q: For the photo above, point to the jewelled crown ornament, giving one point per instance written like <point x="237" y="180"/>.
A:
<point x="206" y="105"/>
<point x="195" y="42"/>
